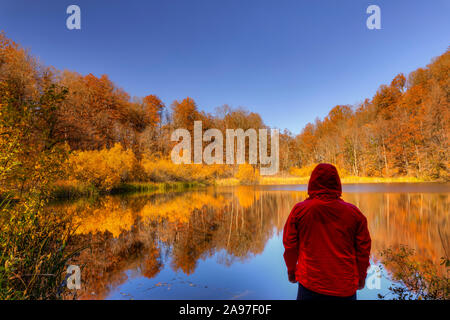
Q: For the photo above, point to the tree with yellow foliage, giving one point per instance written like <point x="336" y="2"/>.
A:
<point x="247" y="174"/>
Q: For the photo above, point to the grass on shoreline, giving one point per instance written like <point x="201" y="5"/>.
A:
<point x="287" y="180"/>
<point x="68" y="190"/>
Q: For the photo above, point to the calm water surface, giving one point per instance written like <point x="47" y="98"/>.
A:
<point x="226" y="243"/>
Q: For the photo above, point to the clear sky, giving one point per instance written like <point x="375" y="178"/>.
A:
<point x="290" y="61"/>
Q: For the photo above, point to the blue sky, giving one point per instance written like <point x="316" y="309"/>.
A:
<point x="290" y="61"/>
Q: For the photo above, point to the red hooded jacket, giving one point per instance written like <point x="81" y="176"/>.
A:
<point x="326" y="240"/>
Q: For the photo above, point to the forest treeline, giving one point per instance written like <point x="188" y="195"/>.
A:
<point x="111" y="137"/>
<point x="402" y="130"/>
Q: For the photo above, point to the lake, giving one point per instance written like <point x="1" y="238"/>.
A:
<point x="226" y="242"/>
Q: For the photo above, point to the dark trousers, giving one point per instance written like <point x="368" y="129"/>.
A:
<point x="305" y="294"/>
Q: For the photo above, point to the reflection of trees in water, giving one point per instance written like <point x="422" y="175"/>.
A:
<point x="141" y="233"/>
<point x="237" y="231"/>
<point x="413" y="219"/>
<point x="107" y="259"/>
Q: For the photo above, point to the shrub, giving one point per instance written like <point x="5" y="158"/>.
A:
<point x="33" y="253"/>
<point x="104" y="169"/>
<point x="247" y="174"/>
<point x="415" y="280"/>
<point x="162" y="170"/>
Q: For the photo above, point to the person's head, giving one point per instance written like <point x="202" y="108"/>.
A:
<point x="325" y="180"/>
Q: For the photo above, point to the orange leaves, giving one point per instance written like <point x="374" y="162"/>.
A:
<point x="153" y="108"/>
<point x="185" y="113"/>
<point x="160" y="170"/>
<point x="93" y="108"/>
<point x="103" y="169"/>
<point x="247" y="174"/>
<point x="397" y="132"/>
<point x="402" y="130"/>
<point x="399" y="82"/>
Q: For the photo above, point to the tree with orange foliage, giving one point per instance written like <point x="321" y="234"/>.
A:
<point x="184" y="113"/>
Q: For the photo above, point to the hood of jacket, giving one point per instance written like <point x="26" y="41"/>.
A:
<point x="324" y="181"/>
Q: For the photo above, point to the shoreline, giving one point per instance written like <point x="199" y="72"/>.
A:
<point x="72" y="191"/>
<point x="304" y="180"/>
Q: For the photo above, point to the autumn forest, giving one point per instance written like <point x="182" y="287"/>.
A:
<point x="112" y="138"/>
<point x="64" y="135"/>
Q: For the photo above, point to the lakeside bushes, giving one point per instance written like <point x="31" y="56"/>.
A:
<point x="247" y="174"/>
<point x="103" y="169"/>
<point x="117" y="169"/>
<point x="161" y="170"/>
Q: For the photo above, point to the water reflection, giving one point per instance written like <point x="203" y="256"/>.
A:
<point x="150" y="246"/>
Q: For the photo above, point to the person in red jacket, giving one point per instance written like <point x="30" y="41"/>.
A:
<point x="326" y="241"/>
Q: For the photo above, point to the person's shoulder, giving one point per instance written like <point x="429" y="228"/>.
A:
<point x="299" y="206"/>
<point x="354" y="209"/>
